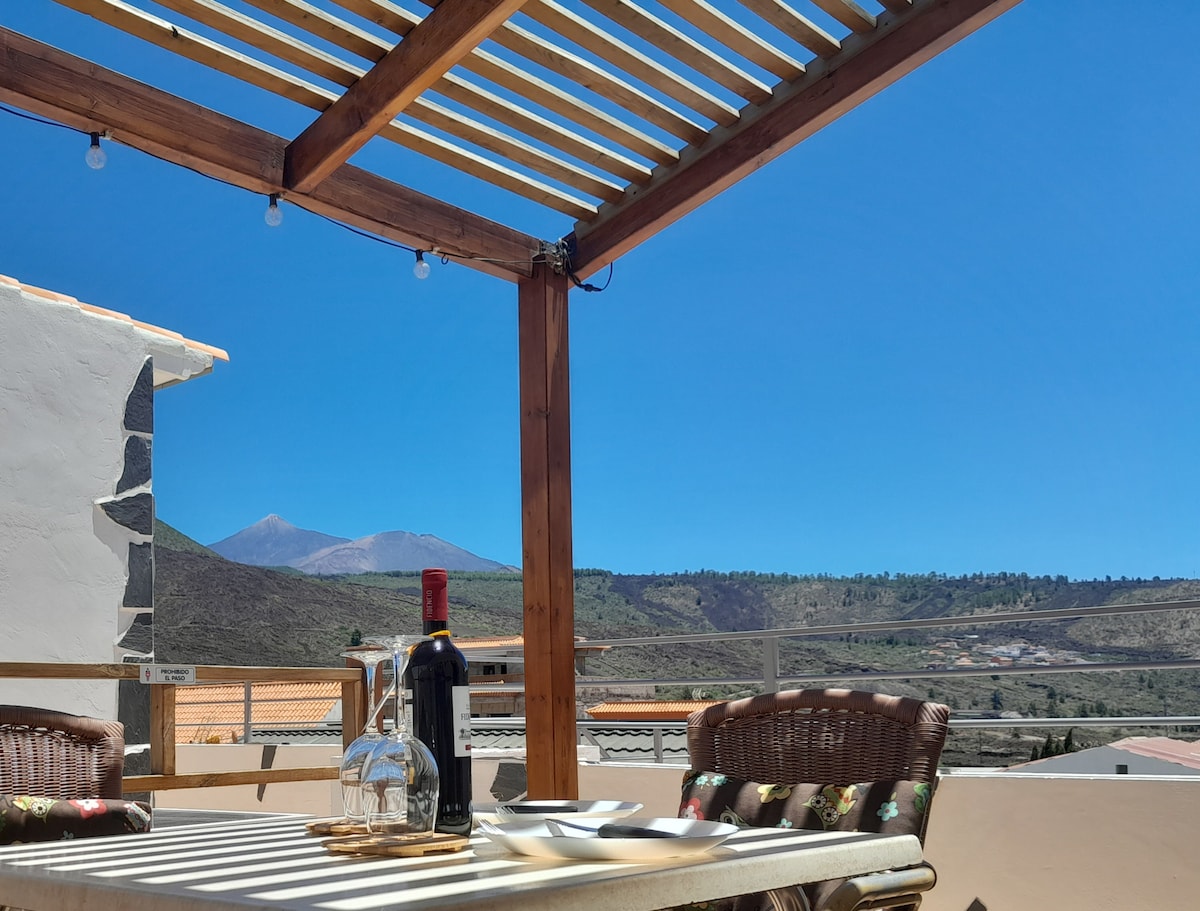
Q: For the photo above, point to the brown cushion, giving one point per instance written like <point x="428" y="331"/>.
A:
<point x="892" y="807"/>
<point x="26" y="819"/>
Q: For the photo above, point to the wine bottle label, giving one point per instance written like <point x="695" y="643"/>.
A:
<point x="460" y="700"/>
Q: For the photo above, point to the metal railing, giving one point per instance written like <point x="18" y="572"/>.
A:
<point x="773" y="676"/>
<point x="353" y="694"/>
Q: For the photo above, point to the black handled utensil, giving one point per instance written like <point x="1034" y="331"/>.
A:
<point x="612" y="830"/>
<point x="536" y="808"/>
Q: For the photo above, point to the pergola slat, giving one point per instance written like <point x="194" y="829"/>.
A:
<point x="870" y="64"/>
<point x="520" y="41"/>
<point x="319" y="63"/>
<point x="682" y="48"/>
<point x="496" y="174"/>
<point x="588" y="36"/>
<point x="90" y="98"/>
<point x="604" y="84"/>
<point x="501" y="144"/>
<point x="543" y="130"/>
<point x="448" y="34"/>
<point x="849" y="13"/>
<point x="327" y="27"/>
<point x="370" y="47"/>
<point x="795" y="26"/>
<point x="736" y="37"/>
<point x="253" y="72"/>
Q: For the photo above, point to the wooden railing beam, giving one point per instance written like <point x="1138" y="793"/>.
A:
<point x="162" y="716"/>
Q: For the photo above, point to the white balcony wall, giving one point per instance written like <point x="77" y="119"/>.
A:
<point x="76" y="504"/>
<point x="66" y="376"/>
<point x="1020" y="842"/>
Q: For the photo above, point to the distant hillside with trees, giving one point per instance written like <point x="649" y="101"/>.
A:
<point x="212" y="611"/>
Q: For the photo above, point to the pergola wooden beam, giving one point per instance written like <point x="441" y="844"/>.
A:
<point x="828" y="90"/>
<point x="448" y="34"/>
<point x="548" y="573"/>
<point x="90" y="98"/>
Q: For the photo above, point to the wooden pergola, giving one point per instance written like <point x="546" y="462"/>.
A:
<point x="622" y="116"/>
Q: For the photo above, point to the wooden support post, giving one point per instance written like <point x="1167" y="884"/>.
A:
<point x="354" y="713"/>
<point x="162" y="728"/>
<point x="354" y="703"/>
<point x="548" y="572"/>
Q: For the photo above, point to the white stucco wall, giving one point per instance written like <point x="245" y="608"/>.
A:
<point x="66" y="373"/>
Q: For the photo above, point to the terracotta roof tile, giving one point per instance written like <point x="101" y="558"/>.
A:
<point x="473" y="642"/>
<point x="467" y="643"/>
<point x="1167" y="749"/>
<point x="205" y="711"/>
<point x="649" y="711"/>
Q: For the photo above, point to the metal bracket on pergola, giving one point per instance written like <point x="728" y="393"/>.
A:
<point x="622" y="116"/>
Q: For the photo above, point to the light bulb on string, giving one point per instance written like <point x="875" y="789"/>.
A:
<point x="421" y="268"/>
<point x="274" y="215"/>
<point x="95" y="156"/>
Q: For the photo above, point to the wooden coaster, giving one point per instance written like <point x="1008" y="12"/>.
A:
<point x="335" y="827"/>
<point x="398" y="845"/>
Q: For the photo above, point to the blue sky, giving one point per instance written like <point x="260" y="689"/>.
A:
<point x="955" y="331"/>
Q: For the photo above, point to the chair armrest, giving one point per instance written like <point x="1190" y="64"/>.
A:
<point x="889" y="889"/>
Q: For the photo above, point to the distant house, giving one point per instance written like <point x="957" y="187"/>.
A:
<point x="497" y="671"/>
<point x="77" y="386"/>
<point x="1131" y="756"/>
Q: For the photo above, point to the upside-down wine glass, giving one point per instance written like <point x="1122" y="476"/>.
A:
<point x="355" y="755"/>
<point x="400" y="777"/>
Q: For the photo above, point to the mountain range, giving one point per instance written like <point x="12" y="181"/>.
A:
<point x="273" y="541"/>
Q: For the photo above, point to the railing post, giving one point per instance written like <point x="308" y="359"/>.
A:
<point x="771" y="664"/>
<point x="162" y="729"/>
<point x="247" y="690"/>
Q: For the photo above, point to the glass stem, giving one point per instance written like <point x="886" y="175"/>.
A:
<point x="399" y="662"/>
<point x="370" y="669"/>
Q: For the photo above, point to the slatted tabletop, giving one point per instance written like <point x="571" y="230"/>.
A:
<point x="272" y="863"/>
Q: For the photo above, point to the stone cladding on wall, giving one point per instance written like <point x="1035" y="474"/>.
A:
<point x="132" y="508"/>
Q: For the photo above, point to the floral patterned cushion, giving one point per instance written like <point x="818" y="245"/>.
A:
<point x="25" y="819"/>
<point x="893" y="807"/>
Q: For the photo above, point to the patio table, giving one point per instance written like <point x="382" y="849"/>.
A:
<point x="273" y="864"/>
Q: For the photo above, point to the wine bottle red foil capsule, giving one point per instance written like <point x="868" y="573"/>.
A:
<point x="435" y="603"/>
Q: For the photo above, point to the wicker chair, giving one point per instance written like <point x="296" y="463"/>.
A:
<point x="53" y="754"/>
<point x="828" y="736"/>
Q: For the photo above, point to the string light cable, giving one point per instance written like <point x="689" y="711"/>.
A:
<point x="556" y="254"/>
<point x="95" y="157"/>
<point x="50" y="123"/>
<point x="588" y="286"/>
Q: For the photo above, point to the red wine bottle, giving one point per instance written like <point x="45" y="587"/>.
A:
<point x="437" y="676"/>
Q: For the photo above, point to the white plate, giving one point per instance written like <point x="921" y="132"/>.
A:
<point x="691" y="837"/>
<point x="567" y="809"/>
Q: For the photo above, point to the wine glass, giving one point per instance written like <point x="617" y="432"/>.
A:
<point x="400" y="777"/>
<point x="356" y="754"/>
